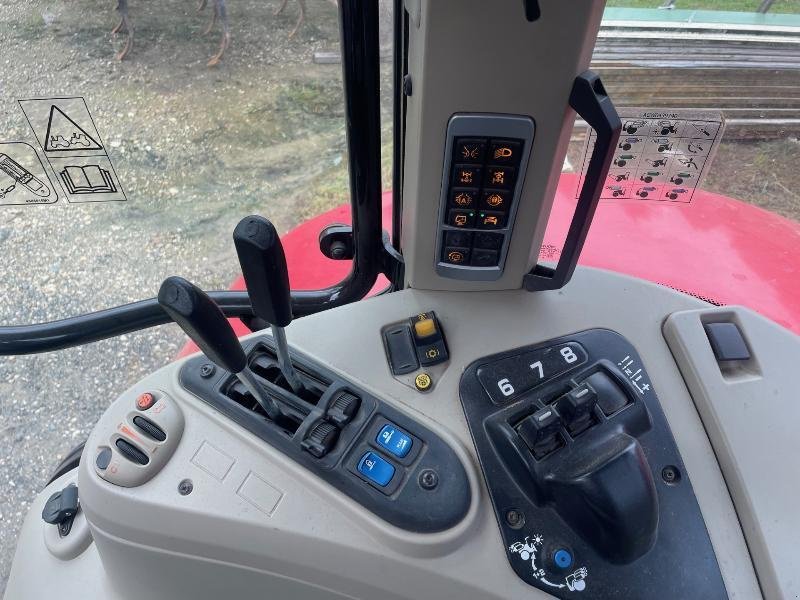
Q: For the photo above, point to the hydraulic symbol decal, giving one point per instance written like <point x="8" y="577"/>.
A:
<point x="660" y="155"/>
<point x="634" y="374"/>
<point x="528" y="550"/>
<point x="72" y="145"/>
<point x="23" y="179"/>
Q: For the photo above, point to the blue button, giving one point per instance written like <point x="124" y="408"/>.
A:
<point x="394" y="440"/>
<point x="376" y="469"/>
<point x="562" y="558"/>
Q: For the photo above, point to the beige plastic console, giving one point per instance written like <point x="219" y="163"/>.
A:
<point x="751" y="411"/>
<point x="258" y="525"/>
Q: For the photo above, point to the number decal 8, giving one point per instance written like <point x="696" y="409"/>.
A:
<point x="568" y="355"/>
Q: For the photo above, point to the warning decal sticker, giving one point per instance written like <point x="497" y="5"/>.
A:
<point x="23" y="179"/>
<point x="72" y="145"/>
<point x="660" y="155"/>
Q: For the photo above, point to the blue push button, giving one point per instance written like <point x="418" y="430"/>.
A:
<point x="562" y="558"/>
<point x="394" y="440"/>
<point x="376" y="469"/>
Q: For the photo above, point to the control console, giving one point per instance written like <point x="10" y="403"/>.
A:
<point x="484" y="170"/>
<point x="389" y="463"/>
<point x="587" y="484"/>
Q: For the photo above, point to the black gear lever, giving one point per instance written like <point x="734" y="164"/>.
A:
<point x="267" y="277"/>
<point x="203" y="321"/>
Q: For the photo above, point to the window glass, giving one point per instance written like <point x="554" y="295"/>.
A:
<point x="132" y="140"/>
<point x="739" y="57"/>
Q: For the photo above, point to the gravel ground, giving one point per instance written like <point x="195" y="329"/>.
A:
<point x="195" y="149"/>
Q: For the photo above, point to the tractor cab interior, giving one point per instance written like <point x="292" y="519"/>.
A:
<point x="468" y="412"/>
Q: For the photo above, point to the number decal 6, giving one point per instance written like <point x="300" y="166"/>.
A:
<point x="505" y="387"/>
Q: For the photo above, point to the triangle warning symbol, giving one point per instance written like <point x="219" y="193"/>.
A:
<point x="65" y="135"/>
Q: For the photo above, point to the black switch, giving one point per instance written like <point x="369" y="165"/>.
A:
<point x="576" y="409"/>
<point x="467" y="175"/>
<point x="461" y="218"/>
<point x="496" y="199"/>
<point x="504" y="152"/>
<point x="484" y="258"/>
<point x="343" y="408"/>
<point x="610" y="397"/>
<point x="727" y="342"/>
<point x="456" y="256"/>
<point x="469" y="150"/>
<point x="131" y="452"/>
<point x="488" y="241"/>
<point x="149" y="428"/>
<point x="320" y="439"/>
<point x="461" y="198"/>
<point x="401" y="351"/>
<point x="500" y="177"/>
<point x="459" y="239"/>
<point x="541" y="432"/>
<point x="489" y="219"/>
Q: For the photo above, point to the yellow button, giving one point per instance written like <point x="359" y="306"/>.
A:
<point x="425" y="328"/>
<point x="423" y="382"/>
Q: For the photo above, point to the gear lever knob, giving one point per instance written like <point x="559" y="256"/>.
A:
<point x="264" y="268"/>
<point x="203" y="321"/>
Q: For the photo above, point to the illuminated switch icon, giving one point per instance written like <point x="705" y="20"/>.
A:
<point x="456" y="256"/>
<point x="466" y="176"/>
<point x="500" y="177"/>
<point x="431" y="353"/>
<point x="461" y="220"/>
<point x="470" y="151"/>
<point x="491" y="220"/>
<point x="503" y="152"/>
<point x="494" y="200"/>
<point x="463" y="199"/>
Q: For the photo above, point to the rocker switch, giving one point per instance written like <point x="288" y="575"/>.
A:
<point x="576" y="408"/>
<point x="541" y="432"/>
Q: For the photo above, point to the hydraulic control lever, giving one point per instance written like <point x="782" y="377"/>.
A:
<point x="264" y="268"/>
<point x="203" y="321"/>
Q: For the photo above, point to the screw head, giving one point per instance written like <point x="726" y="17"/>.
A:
<point x="671" y="475"/>
<point x="207" y="370"/>
<point x="423" y="382"/>
<point x="515" y="519"/>
<point x="185" y="487"/>
<point x="428" y="479"/>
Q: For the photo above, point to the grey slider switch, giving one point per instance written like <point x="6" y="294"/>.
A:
<point x="727" y="342"/>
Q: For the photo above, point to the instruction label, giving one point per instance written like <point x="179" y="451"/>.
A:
<point x="661" y="154"/>
<point x="23" y="178"/>
<point x="74" y="149"/>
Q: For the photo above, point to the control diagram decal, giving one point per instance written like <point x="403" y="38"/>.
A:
<point x="634" y="373"/>
<point x="528" y="549"/>
<point x="661" y="154"/>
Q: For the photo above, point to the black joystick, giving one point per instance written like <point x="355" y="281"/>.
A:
<point x="203" y="321"/>
<point x="267" y="277"/>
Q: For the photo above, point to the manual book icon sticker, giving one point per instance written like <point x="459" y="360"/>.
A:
<point x="72" y="145"/>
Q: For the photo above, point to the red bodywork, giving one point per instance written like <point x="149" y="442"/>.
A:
<point x="717" y="248"/>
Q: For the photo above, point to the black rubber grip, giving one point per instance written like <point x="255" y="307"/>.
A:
<point x="131" y="452"/>
<point x="264" y="268"/>
<point x="149" y="428"/>
<point x="203" y="321"/>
